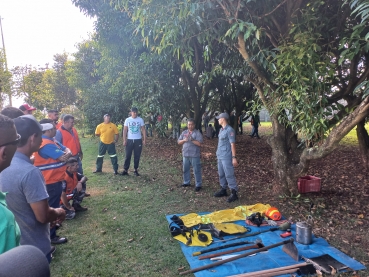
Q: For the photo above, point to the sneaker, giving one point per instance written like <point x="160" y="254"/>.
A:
<point x="198" y="189"/>
<point x="221" y="193"/>
<point x="116" y="173"/>
<point x="136" y="173"/>
<point x="96" y="171"/>
<point x="125" y="172"/>
<point x="78" y="208"/>
<point x="87" y="194"/>
<point x="58" y="240"/>
<point x="233" y="196"/>
<point x="185" y="185"/>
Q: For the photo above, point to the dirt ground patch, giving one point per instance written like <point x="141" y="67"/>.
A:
<point x="341" y="209"/>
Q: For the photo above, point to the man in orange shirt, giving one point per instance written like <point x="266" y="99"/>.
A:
<point x="74" y="189"/>
<point x="68" y="136"/>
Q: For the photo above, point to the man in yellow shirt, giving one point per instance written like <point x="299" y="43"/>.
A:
<point x="109" y="135"/>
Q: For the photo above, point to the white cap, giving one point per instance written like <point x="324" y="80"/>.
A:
<point x="47" y="126"/>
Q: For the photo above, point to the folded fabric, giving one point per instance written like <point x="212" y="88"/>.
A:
<point x="194" y="239"/>
<point x="229" y="215"/>
<point x="230" y="228"/>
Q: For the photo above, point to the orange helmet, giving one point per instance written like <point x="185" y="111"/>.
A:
<point x="273" y="213"/>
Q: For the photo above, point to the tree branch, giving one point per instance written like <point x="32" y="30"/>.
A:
<point x="276" y="8"/>
<point x="337" y="133"/>
<point x="242" y="49"/>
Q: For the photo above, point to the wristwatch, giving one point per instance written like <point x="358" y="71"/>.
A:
<point x="234" y="157"/>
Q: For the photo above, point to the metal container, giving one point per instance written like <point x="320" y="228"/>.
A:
<point x="304" y="233"/>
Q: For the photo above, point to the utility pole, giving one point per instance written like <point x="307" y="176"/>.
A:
<point x="6" y="63"/>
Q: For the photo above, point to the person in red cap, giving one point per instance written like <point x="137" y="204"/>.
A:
<point x="27" y="109"/>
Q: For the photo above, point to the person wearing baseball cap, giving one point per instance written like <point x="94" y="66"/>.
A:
<point x="134" y="136"/>
<point x="227" y="160"/>
<point x="27" y="197"/>
<point x="50" y="159"/>
<point x="27" y="109"/>
<point x="109" y="135"/>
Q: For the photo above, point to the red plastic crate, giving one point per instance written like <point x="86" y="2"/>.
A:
<point x="309" y="184"/>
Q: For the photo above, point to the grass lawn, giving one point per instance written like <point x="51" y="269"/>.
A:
<point x="124" y="232"/>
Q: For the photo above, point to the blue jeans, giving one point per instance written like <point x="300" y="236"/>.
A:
<point x="255" y="131"/>
<point x="226" y="174"/>
<point x="54" y="191"/>
<point x="80" y="169"/>
<point x="196" y="165"/>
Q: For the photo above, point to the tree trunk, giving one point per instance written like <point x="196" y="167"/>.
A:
<point x="363" y="139"/>
<point x="288" y="166"/>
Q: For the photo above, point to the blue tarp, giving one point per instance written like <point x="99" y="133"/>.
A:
<point x="273" y="258"/>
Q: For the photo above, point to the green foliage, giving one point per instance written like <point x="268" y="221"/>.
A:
<point x="96" y="94"/>
<point x="180" y="58"/>
<point x="37" y="87"/>
<point x="360" y="8"/>
<point x="64" y="94"/>
<point x="5" y="79"/>
<point x="45" y="87"/>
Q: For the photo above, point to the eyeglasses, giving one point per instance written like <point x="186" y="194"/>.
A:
<point x="15" y="142"/>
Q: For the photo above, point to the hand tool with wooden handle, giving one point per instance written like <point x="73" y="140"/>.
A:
<point x="282" y="227"/>
<point x="272" y="270"/>
<point x="292" y="251"/>
<point x="223" y="246"/>
<point x="255" y="246"/>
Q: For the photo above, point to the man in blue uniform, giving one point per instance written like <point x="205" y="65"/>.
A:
<point x="226" y="155"/>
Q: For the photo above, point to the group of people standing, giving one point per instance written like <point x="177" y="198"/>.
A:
<point x="211" y="132"/>
<point x="191" y="141"/>
<point x="134" y="137"/>
<point x="41" y="176"/>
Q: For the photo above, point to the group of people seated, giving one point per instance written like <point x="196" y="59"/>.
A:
<point x="41" y="180"/>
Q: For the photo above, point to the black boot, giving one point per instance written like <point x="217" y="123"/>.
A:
<point x="221" y="193"/>
<point x="233" y="196"/>
<point x="78" y="208"/>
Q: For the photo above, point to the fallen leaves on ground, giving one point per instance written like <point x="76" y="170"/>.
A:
<point x="341" y="209"/>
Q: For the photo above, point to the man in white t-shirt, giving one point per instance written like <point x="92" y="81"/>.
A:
<point x="134" y="136"/>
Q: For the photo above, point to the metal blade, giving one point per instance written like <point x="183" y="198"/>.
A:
<point x="291" y="249"/>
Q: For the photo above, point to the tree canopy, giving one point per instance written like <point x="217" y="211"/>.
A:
<point x="307" y="61"/>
